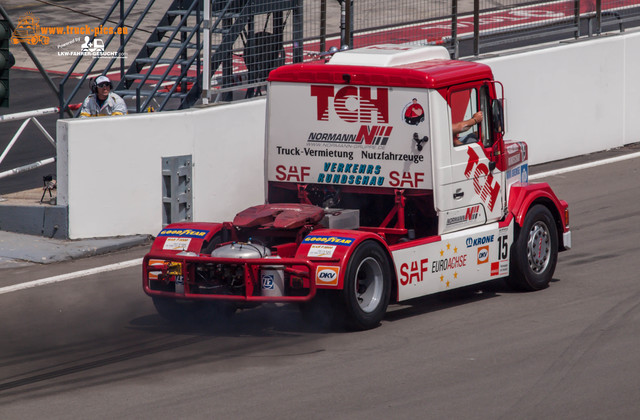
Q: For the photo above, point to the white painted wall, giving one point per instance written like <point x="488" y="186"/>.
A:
<point x="631" y="88"/>
<point x="113" y="166"/>
<point x="563" y="101"/>
<point x="572" y="99"/>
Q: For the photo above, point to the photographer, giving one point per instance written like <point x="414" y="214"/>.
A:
<point x="102" y="101"/>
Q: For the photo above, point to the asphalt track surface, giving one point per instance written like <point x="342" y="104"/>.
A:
<point x="93" y="347"/>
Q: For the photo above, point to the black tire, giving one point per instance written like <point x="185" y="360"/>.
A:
<point x="535" y="251"/>
<point x="208" y="247"/>
<point x="367" y="287"/>
<point x="190" y="312"/>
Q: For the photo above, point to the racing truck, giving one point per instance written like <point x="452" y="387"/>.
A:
<point x="371" y="198"/>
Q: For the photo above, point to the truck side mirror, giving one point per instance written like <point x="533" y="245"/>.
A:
<point x="497" y="116"/>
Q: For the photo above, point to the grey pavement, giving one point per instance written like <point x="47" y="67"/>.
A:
<point x="20" y="249"/>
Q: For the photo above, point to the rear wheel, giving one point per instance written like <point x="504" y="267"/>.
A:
<point x="367" y="286"/>
<point x="535" y="251"/>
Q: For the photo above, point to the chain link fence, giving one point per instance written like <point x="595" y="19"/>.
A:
<point x="282" y="32"/>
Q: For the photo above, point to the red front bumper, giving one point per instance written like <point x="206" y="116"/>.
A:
<point x="230" y="279"/>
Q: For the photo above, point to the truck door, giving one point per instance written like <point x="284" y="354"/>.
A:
<point x="475" y="195"/>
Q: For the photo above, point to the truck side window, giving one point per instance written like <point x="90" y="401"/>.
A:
<point x="464" y="105"/>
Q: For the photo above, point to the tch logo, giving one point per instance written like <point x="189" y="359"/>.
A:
<point x="352" y="104"/>
<point x="484" y="184"/>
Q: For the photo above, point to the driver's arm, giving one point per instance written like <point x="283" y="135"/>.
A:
<point x="463" y="126"/>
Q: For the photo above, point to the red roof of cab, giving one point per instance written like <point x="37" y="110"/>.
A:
<point x="430" y="74"/>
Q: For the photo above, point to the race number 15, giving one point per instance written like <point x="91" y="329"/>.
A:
<point x="503" y="247"/>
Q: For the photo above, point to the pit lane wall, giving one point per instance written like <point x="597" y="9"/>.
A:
<point x="110" y="169"/>
<point x="565" y="101"/>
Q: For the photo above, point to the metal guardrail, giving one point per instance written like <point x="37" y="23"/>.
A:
<point x="29" y="116"/>
<point x="481" y="25"/>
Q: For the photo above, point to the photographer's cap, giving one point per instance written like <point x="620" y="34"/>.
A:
<point x="102" y="79"/>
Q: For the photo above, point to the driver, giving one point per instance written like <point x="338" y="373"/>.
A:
<point x="463" y="126"/>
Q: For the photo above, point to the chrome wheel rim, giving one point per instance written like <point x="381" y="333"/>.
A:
<point x="369" y="283"/>
<point x="539" y="247"/>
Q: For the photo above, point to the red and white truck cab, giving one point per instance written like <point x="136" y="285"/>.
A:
<point x="369" y="199"/>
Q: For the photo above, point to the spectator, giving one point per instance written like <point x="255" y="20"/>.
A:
<point x="102" y="101"/>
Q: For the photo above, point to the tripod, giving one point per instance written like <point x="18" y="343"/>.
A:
<point x="49" y="184"/>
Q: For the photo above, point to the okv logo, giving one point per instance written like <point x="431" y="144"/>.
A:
<point x="327" y="276"/>
<point x="267" y="281"/>
<point x="483" y="254"/>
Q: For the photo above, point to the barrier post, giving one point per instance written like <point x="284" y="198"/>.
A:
<point x="476" y="27"/>
<point x="454" y="29"/>
<point x="29" y="116"/>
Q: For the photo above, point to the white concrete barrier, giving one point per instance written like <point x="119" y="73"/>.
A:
<point x="572" y="99"/>
<point x="110" y="169"/>
<point x="564" y="101"/>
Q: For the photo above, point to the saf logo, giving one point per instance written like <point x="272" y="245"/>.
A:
<point x="414" y="272"/>
<point x="406" y="180"/>
<point x="292" y="173"/>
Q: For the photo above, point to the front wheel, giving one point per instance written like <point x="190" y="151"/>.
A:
<point x="367" y="286"/>
<point x="535" y="251"/>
